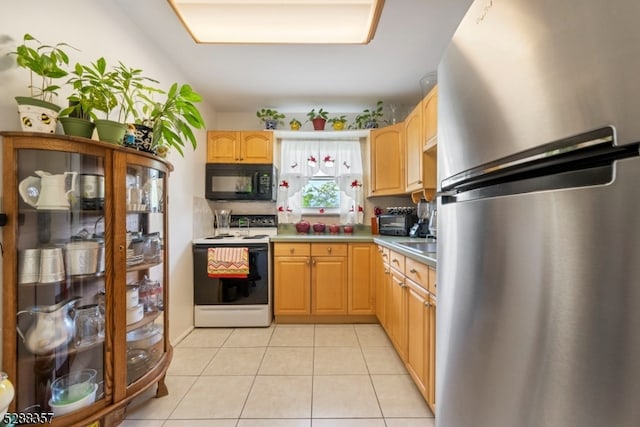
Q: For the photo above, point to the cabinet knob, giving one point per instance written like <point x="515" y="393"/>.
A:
<point x="329" y="249"/>
<point x="291" y="250"/>
<point x="426" y="304"/>
<point x="419" y="182"/>
<point x="435" y="284"/>
<point x="313" y="261"/>
<point x="308" y="262"/>
<point x="413" y="270"/>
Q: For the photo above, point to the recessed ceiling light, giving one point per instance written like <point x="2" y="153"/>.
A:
<point x="280" y="21"/>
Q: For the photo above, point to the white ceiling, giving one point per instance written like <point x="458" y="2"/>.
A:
<point x="411" y="36"/>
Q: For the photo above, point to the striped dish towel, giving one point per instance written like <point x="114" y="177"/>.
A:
<point x="228" y="262"/>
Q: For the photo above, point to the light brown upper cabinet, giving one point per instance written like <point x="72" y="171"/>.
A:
<point x="430" y="138"/>
<point x="387" y="161"/>
<point x="240" y="147"/>
<point x="413" y="145"/>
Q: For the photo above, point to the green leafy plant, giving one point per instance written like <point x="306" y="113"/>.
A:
<point x="266" y="114"/>
<point x="369" y="118"/>
<point x="341" y="119"/>
<point x="104" y="85"/>
<point x="82" y="98"/>
<point x="321" y="114"/>
<point x="172" y="120"/>
<point x="295" y="124"/>
<point x="134" y="92"/>
<point x="45" y="61"/>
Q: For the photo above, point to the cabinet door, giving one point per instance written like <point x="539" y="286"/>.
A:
<point x="362" y="278"/>
<point x="396" y="313"/>
<point x="256" y="147"/>
<point x="329" y="285"/>
<point x="381" y="277"/>
<point x="223" y="147"/>
<point x="292" y="285"/>
<point x="413" y="143"/>
<point x="430" y="117"/>
<point x="430" y="139"/>
<point x="431" y="382"/>
<point x="55" y="273"/>
<point x="141" y="281"/>
<point x="387" y="161"/>
<point x="419" y="329"/>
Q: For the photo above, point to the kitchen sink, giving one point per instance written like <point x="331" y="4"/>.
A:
<point x="420" y="246"/>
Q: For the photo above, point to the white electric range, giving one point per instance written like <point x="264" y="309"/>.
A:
<point x="245" y="302"/>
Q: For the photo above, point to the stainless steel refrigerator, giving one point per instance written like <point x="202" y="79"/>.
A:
<point x="539" y="216"/>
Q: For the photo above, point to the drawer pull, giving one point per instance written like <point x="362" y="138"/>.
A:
<point x="395" y="260"/>
<point x="413" y="270"/>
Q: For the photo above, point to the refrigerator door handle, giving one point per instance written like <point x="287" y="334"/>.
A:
<point x="583" y="160"/>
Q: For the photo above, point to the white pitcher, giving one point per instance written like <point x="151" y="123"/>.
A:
<point x="49" y="191"/>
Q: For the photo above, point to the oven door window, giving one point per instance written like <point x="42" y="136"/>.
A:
<point x="254" y="289"/>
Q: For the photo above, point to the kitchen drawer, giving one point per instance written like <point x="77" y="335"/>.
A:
<point x="417" y="272"/>
<point x="329" y="249"/>
<point x="384" y="252"/>
<point x="291" y="249"/>
<point x="396" y="261"/>
<point x="432" y="281"/>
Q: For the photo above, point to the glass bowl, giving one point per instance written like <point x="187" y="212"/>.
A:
<point x="73" y="387"/>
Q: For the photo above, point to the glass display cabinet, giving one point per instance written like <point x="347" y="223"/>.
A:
<point x="85" y="278"/>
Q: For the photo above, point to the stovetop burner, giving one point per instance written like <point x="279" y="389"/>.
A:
<point x="244" y="228"/>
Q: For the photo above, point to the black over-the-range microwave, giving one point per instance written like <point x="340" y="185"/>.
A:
<point x="240" y="181"/>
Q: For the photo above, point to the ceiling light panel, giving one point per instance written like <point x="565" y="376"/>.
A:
<point x="279" y="21"/>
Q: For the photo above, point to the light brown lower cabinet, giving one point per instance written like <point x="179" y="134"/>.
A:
<point x="409" y="317"/>
<point x="314" y="281"/>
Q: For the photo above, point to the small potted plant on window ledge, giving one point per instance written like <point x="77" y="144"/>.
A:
<point x="295" y="124"/>
<point x="271" y="118"/>
<point x="338" y="123"/>
<point x="318" y="119"/>
<point x="369" y="119"/>
<point x="46" y="63"/>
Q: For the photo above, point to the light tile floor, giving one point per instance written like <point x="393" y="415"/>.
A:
<point x="285" y="376"/>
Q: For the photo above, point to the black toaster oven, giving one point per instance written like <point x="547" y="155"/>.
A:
<point x="396" y="224"/>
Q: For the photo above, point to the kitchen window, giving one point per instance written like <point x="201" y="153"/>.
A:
<point x="320" y="177"/>
<point x="321" y="192"/>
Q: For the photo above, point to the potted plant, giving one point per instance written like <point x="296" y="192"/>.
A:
<point x="105" y="85"/>
<point x="77" y="118"/>
<point x="135" y="97"/>
<point x="295" y="124"/>
<point x="271" y="118"/>
<point x="172" y="120"/>
<point x="338" y="123"/>
<point x="318" y="119"/>
<point x="368" y="119"/>
<point x="45" y="64"/>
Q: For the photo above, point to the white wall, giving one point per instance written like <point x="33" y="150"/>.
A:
<point x="100" y="28"/>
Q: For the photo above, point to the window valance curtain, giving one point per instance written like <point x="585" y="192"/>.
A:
<point x="301" y="160"/>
